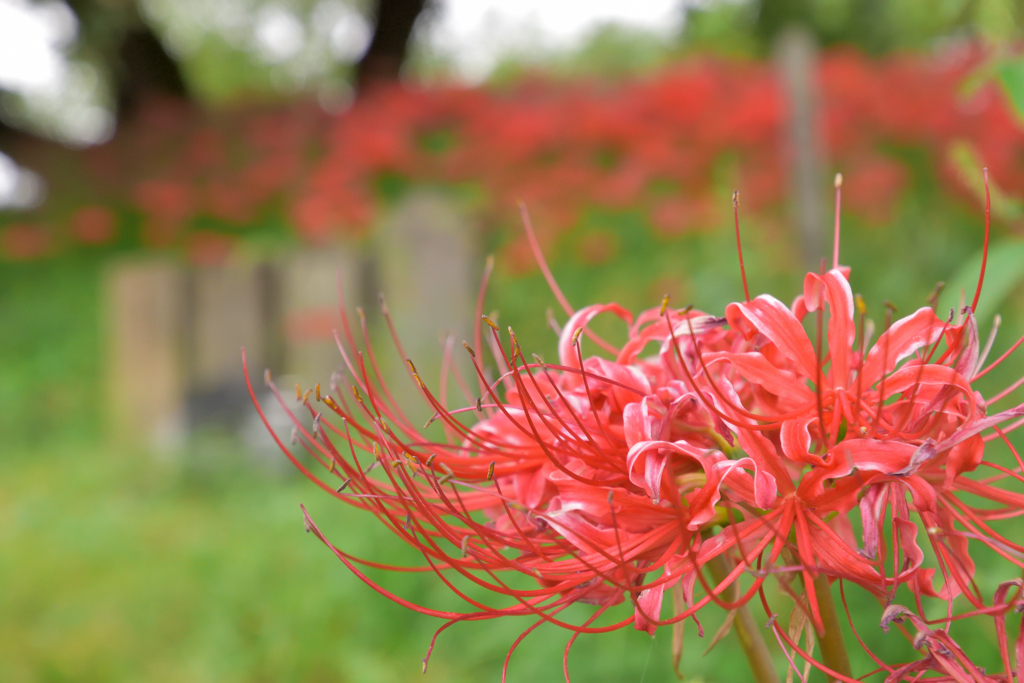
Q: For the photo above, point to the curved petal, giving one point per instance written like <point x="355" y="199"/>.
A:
<point x="754" y="367"/>
<point x="582" y="318"/>
<point x="833" y="288"/>
<point x="904" y="337"/>
<point x="796" y="440"/>
<point x="770" y="317"/>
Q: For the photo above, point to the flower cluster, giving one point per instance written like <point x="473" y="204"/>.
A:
<point x="704" y="457"/>
<point x="199" y="178"/>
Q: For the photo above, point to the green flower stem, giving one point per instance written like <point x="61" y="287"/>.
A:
<point x="746" y="628"/>
<point x="833" y="645"/>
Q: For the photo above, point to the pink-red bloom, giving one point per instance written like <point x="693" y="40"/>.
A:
<point x="739" y="441"/>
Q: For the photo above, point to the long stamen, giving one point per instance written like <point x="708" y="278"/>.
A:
<point x="889" y="308"/>
<point x="984" y="253"/>
<point x="818" y="379"/>
<point x="835" y="238"/>
<point x="739" y="247"/>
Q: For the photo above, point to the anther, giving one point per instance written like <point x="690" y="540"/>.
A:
<point x="298" y="392"/>
<point x="470" y="349"/>
<point x="318" y="392"/>
<point x="664" y="305"/>
<point x="383" y="303"/>
<point x="490" y="322"/>
<point x="305" y="396"/>
<point x="408" y="518"/>
<point x="576" y="336"/>
<point x="330" y="403"/>
<point x="431" y="420"/>
<point x="771" y="621"/>
<point x="430" y="460"/>
<point x="490" y="471"/>
<point x="838" y="181"/>
<point x="858" y="302"/>
<point x="266" y="375"/>
<point x="465" y="546"/>
<point x="295" y="436"/>
<point x="344" y="485"/>
<point x="480" y="404"/>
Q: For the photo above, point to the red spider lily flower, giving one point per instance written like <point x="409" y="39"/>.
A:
<point x="736" y="440"/>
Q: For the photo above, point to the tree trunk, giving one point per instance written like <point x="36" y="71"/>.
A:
<point x="383" y="60"/>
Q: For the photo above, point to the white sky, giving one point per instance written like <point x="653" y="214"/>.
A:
<point x="477" y="32"/>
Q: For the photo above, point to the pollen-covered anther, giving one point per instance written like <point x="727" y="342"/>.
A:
<point x="298" y="392"/>
<point x="858" y="302"/>
<point x="430" y="461"/>
<point x="330" y="403"/>
<point x="664" y="305"/>
<point x="465" y="546"/>
<point x="305" y="396"/>
<point x="576" y="336"/>
<point x="431" y="419"/>
<point x="469" y="348"/>
<point x="490" y="323"/>
<point x="480" y="404"/>
<point x="838" y="182"/>
<point x="318" y="392"/>
<point x="490" y="471"/>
